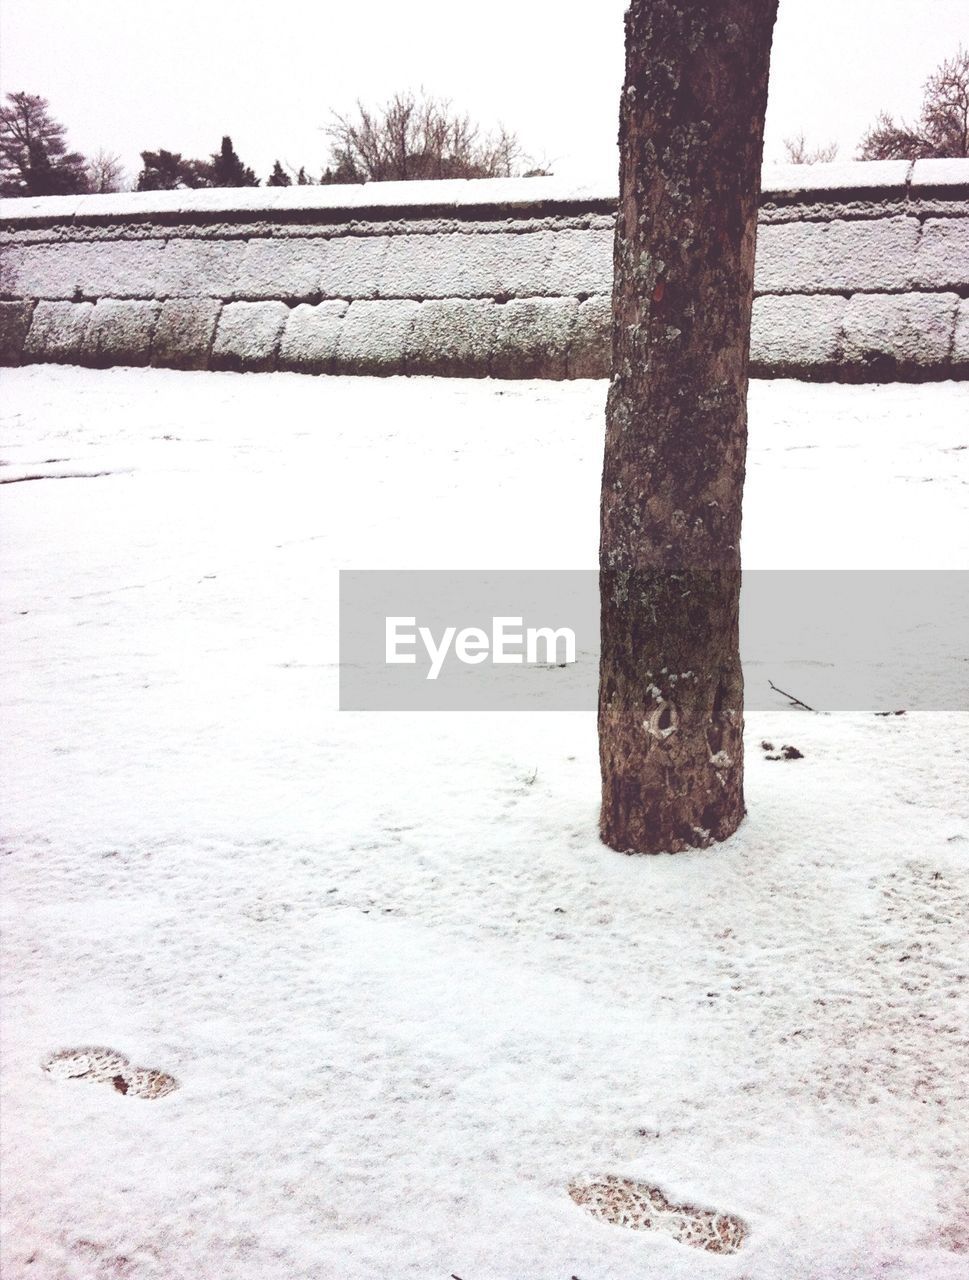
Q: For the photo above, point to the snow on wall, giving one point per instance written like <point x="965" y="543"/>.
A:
<point x="862" y="273"/>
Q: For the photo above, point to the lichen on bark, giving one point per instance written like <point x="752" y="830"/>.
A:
<point x="671" y="688"/>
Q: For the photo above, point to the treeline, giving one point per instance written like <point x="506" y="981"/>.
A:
<point x="940" y="133"/>
<point x="170" y="171"/>
<point x="411" y="136"/>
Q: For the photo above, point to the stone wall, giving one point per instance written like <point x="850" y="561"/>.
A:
<point x="862" y="274"/>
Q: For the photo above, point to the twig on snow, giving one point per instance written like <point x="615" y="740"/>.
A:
<point x="790" y="696"/>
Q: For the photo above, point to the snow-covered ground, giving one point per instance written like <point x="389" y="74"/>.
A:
<point x="406" y="994"/>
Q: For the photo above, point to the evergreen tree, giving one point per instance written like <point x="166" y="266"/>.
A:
<point x="345" y="171"/>
<point x="168" y="171"/>
<point x="34" y="159"/>
<point x="301" y="179"/>
<point x="228" y="170"/>
<point x="279" y="177"/>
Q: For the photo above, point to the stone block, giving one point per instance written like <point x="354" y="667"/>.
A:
<point x="581" y="263"/>
<point x="11" y="268"/>
<point x="57" y="331"/>
<point x="907" y="329"/>
<point x="120" y="332"/>
<point x="453" y="338"/>
<point x="883" y="178"/>
<point x="467" y="265"/>
<point x="351" y="266"/>
<point x="960" y="342"/>
<point x="831" y="257"/>
<point x="14" y="323"/>
<point x="309" y="342"/>
<point x="796" y="331"/>
<point x="590" y="352"/>
<point x="247" y="336"/>
<point x="533" y="338"/>
<point x="931" y="175"/>
<point x="201" y="268"/>
<point x="285" y="268"/>
<point x="942" y="261"/>
<point x="184" y="333"/>
<point x="375" y="337"/>
<point x="89" y="269"/>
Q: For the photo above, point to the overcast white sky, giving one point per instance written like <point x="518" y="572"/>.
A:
<point x="130" y="76"/>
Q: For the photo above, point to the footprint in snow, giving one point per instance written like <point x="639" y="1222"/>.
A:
<point x="627" y="1203"/>
<point x="107" y="1066"/>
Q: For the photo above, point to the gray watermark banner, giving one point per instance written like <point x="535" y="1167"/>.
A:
<point x="528" y="640"/>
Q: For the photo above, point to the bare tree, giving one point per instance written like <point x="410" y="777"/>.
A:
<point x="942" y="130"/>
<point x="105" y="172"/>
<point x="671" y="688"/>
<point x="798" y="151"/>
<point x="34" y="159"/>
<point x="416" y="136"/>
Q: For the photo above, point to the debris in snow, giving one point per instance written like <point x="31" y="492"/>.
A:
<point x="790" y="696"/>
<point x="785" y="753"/>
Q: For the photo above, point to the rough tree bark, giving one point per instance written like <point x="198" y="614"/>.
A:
<point x="671" y="690"/>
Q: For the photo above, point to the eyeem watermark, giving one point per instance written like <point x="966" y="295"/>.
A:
<point x="507" y="643"/>
<point x="528" y="640"/>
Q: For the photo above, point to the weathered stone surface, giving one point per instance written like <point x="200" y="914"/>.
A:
<point x="120" y="333"/>
<point x="105" y="269"/>
<point x="184" y="333"/>
<point x="310" y="338"/>
<point x="533" y="338"/>
<point x="831" y="257"/>
<point x="462" y="254"/>
<point x="794" y="331"/>
<point x="453" y="338"/>
<point x="477" y="265"/>
<point x="351" y="266"/>
<point x="286" y="268"/>
<point x="14" y="323"/>
<point x="200" y="268"/>
<point x="943" y="254"/>
<point x="375" y="337"/>
<point x="908" y="329"/>
<point x="960" y="341"/>
<point x="57" y="331"/>
<point x="590" y="352"/>
<point x="247" y="337"/>
<point x="11" y="268"/>
<point x="580" y="263"/>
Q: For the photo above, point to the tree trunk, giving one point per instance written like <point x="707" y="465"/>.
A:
<point x="671" y="689"/>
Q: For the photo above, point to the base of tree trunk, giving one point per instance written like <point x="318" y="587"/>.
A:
<point x="670" y="711"/>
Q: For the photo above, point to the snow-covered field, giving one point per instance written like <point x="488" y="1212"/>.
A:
<point x="407" y="996"/>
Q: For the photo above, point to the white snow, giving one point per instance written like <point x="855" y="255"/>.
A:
<point x="940" y="173"/>
<point x="839" y="175"/>
<point x="836" y="175"/>
<point x="452" y="192"/>
<point x="407" y="994"/>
